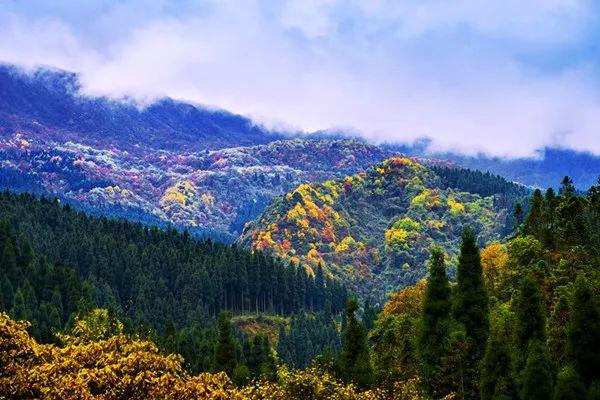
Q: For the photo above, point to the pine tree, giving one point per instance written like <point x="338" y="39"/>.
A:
<point x="534" y="223"/>
<point x="518" y="214"/>
<point x="569" y="385"/>
<point x="355" y="360"/>
<point x="20" y="310"/>
<point x="224" y="358"/>
<point x="537" y="375"/>
<point x="558" y="327"/>
<point x="435" y="316"/>
<point x="369" y="315"/>
<point x="583" y="332"/>
<point x="497" y="375"/>
<point x="531" y="321"/>
<point x="471" y="302"/>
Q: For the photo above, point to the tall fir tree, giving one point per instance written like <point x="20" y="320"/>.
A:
<point x="435" y="318"/>
<point x="471" y="300"/>
<point x="497" y="375"/>
<point x="531" y="320"/>
<point x="534" y="223"/>
<point x="537" y="375"/>
<point x="355" y="360"/>
<point x="224" y="358"/>
<point x="584" y="332"/>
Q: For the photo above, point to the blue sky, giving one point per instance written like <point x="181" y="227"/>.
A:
<point x="504" y="77"/>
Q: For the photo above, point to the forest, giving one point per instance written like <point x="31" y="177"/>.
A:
<point x="520" y="320"/>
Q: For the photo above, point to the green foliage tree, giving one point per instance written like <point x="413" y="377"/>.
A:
<point x="224" y="359"/>
<point x="537" y="375"/>
<point x="497" y="375"/>
<point x="531" y="320"/>
<point x="435" y="317"/>
<point x="355" y="361"/>
<point x="557" y="333"/>
<point x="535" y="222"/>
<point x="584" y="332"/>
<point x="393" y="350"/>
<point x="569" y="385"/>
<point x="471" y="301"/>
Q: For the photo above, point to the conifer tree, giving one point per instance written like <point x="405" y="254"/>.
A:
<point x="557" y="334"/>
<point x="497" y="375"/>
<point x="471" y="303"/>
<point x="569" y="385"/>
<point x="224" y="358"/>
<point x="355" y="360"/>
<point x="531" y="321"/>
<point x="584" y="332"/>
<point x="518" y="214"/>
<point x="537" y="375"/>
<point x="534" y="223"/>
<point x="435" y="316"/>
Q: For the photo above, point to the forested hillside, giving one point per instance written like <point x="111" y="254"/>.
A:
<point x="57" y="263"/>
<point x="373" y="229"/>
<point x="520" y="321"/>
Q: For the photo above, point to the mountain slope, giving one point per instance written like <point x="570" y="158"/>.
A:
<point x="48" y="102"/>
<point x="215" y="191"/>
<point x="374" y="229"/>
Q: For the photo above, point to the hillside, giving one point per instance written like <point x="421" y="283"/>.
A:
<point x="215" y="191"/>
<point x="48" y="102"/>
<point x="374" y="229"/>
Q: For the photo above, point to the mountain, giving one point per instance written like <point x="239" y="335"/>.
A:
<point x="48" y="103"/>
<point x="544" y="170"/>
<point x="374" y="229"/>
<point x="170" y="163"/>
<point x="208" y="191"/>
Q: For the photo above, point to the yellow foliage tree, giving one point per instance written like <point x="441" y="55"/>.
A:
<point x="494" y="261"/>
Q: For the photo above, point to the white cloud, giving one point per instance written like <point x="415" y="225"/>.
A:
<point x="390" y="70"/>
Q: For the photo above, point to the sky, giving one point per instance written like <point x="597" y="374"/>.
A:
<point x="500" y="77"/>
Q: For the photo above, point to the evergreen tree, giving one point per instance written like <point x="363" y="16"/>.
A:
<point x="584" y="332"/>
<point x="534" y="223"/>
<point x="471" y="301"/>
<point x="224" y="358"/>
<point x="369" y="316"/>
<point x="518" y="214"/>
<point x="19" y="310"/>
<point x="550" y="202"/>
<point x="537" y="375"/>
<point x="531" y="321"/>
<point x="569" y="385"/>
<point x="355" y="360"/>
<point x="558" y="328"/>
<point x="497" y="375"/>
<point x="435" y="316"/>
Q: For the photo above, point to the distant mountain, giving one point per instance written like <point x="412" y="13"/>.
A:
<point x="373" y="230"/>
<point x="209" y="192"/>
<point x="48" y="102"/>
<point x="209" y="171"/>
<point x="545" y="170"/>
<point x="177" y="163"/>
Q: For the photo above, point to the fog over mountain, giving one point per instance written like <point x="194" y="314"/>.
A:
<point x="502" y="78"/>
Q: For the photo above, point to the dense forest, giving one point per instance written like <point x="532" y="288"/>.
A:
<point x="57" y="263"/>
<point x="520" y="321"/>
<point x="373" y="230"/>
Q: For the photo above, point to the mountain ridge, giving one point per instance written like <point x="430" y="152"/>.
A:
<point x="373" y="229"/>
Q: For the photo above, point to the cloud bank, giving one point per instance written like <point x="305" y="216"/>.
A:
<point x="502" y="77"/>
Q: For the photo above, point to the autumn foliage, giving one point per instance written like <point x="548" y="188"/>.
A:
<point x="124" y="367"/>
